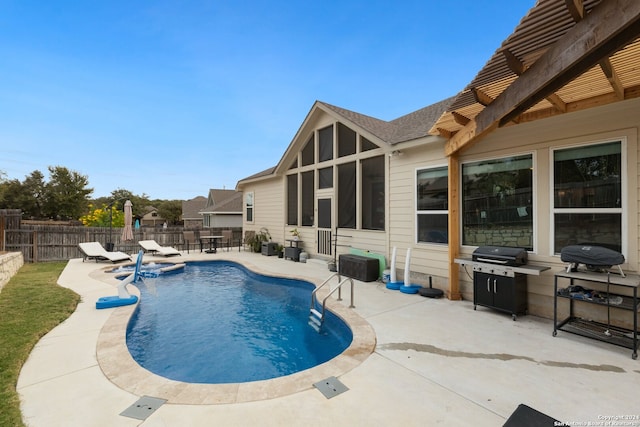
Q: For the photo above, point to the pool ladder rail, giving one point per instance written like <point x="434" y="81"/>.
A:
<point x="316" y="317"/>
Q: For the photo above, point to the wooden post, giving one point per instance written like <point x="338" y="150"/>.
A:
<point x="453" y="293"/>
<point x="35" y="246"/>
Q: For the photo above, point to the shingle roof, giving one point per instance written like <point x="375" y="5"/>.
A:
<point x="217" y="198"/>
<point x="191" y="208"/>
<point x="231" y="204"/>
<point x="406" y="128"/>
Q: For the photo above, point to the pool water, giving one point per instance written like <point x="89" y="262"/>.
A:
<point x="218" y="322"/>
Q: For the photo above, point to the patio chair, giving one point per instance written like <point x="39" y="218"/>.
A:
<point x="227" y="239"/>
<point x="94" y="250"/>
<point x="153" y="247"/>
<point x="189" y="239"/>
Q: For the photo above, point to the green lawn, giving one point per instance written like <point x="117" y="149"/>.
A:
<point x="31" y="304"/>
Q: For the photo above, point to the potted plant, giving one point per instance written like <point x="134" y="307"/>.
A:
<point x="295" y="233"/>
<point x="280" y="250"/>
<point x="260" y="237"/>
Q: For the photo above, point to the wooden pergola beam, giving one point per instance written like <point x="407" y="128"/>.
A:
<point x="576" y="10"/>
<point x="610" y="26"/>
<point x="481" y="97"/>
<point x="445" y="133"/>
<point x="459" y="118"/>
<point x="612" y="76"/>
<point x="518" y="67"/>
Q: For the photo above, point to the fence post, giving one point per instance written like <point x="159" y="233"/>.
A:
<point x="3" y="244"/>
<point x="35" y="246"/>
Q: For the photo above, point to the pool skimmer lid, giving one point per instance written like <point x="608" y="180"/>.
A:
<point x="144" y="407"/>
<point x="330" y="387"/>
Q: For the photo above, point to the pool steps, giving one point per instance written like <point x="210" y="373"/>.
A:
<point x="315" y="319"/>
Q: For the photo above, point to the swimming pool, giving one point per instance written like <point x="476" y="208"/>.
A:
<point x="218" y="322"/>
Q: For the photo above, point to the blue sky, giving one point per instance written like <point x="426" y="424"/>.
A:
<point x="171" y="98"/>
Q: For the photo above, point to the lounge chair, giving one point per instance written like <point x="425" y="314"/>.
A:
<point x="94" y="250"/>
<point x="153" y="247"/>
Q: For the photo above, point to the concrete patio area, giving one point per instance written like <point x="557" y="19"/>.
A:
<point x="435" y="362"/>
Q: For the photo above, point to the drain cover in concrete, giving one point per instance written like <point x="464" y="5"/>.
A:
<point x="144" y="407"/>
<point x="330" y="387"/>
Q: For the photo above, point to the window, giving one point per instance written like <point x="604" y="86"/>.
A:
<point x="325" y="178"/>
<point x="346" y="141"/>
<point x="325" y="144"/>
<point x="248" y="202"/>
<point x="587" y="196"/>
<point x="292" y="199"/>
<point x="372" y="192"/>
<point x="308" y="153"/>
<point x="432" y="205"/>
<point x="308" y="197"/>
<point x="347" y="195"/>
<point x="497" y="202"/>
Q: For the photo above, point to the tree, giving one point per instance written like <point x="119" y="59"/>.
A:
<point x="33" y="197"/>
<point x="67" y="194"/>
<point x="171" y="211"/>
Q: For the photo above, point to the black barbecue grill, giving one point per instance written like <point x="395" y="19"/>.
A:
<point x="500" y="255"/>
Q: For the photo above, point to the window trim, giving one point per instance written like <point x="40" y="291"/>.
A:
<point x="417" y="212"/>
<point x="623" y="210"/>
<point x="250" y="196"/>
<point x="534" y="194"/>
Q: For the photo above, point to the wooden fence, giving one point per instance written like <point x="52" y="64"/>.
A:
<point x="60" y="242"/>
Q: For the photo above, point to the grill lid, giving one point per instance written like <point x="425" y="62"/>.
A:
<point x="502" y="255"/>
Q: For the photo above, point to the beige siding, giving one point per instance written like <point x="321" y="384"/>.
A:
<point x="620" y="120"/>
<point x="268" y="207"/>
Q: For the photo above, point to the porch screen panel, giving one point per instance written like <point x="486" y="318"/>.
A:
<point x="347" y="195"/>
<point x="292" y="199"/>
<point x="346" y="141"/>
<point x="325" y="144"/>
<point x="308" y="197"/>
<point x="308" y="153"/>
<point x="373" y="193"/>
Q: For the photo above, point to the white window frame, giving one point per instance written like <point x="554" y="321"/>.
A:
<point x="417" y="212"/>
<point x="534" y="194"/>
<point x="623" y="193"/>
<point x="249" y="203"/>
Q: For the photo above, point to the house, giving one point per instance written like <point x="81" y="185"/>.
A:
<point x="539" y="151"/>
<point x="223" y="209"/>
<point x="191" y="216"/>
<point x="151" y="217"/>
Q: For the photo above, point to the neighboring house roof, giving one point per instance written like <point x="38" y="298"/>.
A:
<point x="217" y="198"/>
<point x="191" y="208"/>
<point x="231" y="205"/>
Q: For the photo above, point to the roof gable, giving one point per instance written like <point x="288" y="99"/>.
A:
<point x="218" y="197"/>
<point x="191" y="208"/>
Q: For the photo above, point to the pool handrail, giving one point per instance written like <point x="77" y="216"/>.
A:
<point x="324" y="301"/>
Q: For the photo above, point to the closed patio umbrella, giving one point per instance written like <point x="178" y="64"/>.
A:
<point x="127" y="231"/>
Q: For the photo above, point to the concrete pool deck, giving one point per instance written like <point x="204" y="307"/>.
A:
<point x="435" y="362"/>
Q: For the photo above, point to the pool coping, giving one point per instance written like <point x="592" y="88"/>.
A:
<point x="121" y="369"/>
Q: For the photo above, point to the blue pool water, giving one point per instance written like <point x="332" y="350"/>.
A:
<point x="218" y="322"/>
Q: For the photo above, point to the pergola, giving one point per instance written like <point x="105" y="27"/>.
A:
<point x="564" y="56"/>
